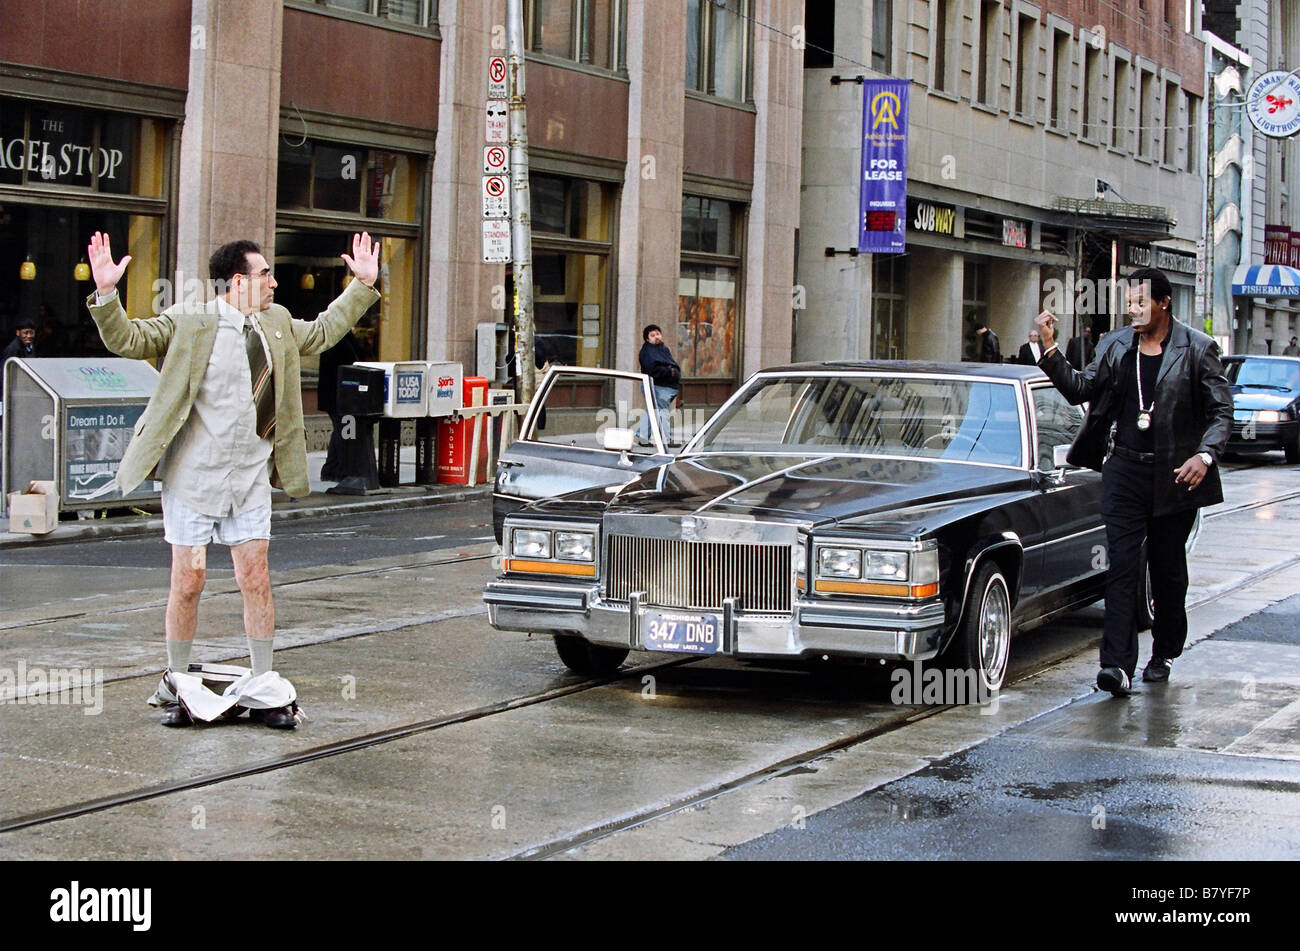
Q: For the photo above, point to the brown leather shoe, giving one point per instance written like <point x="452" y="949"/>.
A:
<point x="278" y="718"/>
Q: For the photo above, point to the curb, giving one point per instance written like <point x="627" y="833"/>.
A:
<point x="128" y="526"/>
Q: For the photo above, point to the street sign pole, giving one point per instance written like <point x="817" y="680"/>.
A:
<point x="521" y="235"/>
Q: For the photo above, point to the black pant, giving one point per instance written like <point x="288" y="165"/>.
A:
<point x="1127" y="489"/>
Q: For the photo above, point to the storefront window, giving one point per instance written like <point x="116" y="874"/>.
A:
<point x="888" y="306"/>
<point x="326" y="193"/>
<point x="572" y="246"/>
<point x="55" y="164"/>
<point x="974" y="305"/>
<point x="708" y="289"/>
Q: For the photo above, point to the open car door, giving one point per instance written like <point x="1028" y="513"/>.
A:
<point x="580" y="432"/>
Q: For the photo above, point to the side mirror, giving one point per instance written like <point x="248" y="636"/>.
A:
<point x="1060" y="456"/>
<point x="618" y="440"/>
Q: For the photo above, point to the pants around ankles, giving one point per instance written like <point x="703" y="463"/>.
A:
<point x="1126" y="508"/>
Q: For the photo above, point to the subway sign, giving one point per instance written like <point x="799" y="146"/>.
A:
<point x="932" y="217"/>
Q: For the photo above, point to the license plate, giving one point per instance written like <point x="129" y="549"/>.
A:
<point x="680" y="633"/>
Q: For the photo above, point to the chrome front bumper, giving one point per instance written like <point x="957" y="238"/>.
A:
<point x="867" y="629"/>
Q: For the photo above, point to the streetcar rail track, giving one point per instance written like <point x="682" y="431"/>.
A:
<point x="591" y="835"/>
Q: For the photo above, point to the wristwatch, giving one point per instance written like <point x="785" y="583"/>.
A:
<point x="1206" y="458"/>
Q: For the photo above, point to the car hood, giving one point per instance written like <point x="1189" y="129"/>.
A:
<point x="1252" y="398"/>
<point x="814" y="489"/>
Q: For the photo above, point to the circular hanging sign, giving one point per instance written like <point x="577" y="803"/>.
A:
<point x="1273" y="104"/>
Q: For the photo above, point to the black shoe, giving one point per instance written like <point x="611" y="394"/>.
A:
<point x="278" y="718"/>
<point x="1114" y="680"/>
<point x="174" y="715"/>
<point x="1157" y="671"/>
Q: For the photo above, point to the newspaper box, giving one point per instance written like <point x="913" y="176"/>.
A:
<point x="404" y="388"/>
<point x="68" y="421"/>
<point x="454" y="439"/>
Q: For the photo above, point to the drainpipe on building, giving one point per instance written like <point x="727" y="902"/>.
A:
<point x="521" y="231"/>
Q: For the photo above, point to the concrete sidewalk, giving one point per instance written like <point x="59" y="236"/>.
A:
<point x="319" y="503"/>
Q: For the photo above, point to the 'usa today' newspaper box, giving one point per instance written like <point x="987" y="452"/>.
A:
<point x="405" y="388"/>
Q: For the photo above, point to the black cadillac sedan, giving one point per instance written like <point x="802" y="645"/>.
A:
<point x="880" y="510"/>
<point x="1265" y="404"/>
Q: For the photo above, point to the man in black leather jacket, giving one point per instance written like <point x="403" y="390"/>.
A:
<point x="1160" y="385"/>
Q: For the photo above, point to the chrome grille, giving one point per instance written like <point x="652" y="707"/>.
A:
<point x="681" y="574"/>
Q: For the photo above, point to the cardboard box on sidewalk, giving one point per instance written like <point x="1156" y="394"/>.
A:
<point x="35" y="511"/>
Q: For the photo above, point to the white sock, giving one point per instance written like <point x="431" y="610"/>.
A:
<point x="178" y="655"/>
<point x="259" y="649"/>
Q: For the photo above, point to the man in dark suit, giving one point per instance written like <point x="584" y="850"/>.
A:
<point x="24" y="342"/>
<point x="1161" y="384"/>
<point x="990" y="350"/>
<point x="1080" y="351"/>
<point x="1031" y="351"/>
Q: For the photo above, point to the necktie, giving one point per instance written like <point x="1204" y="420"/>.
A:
<point x="260" y="371"/>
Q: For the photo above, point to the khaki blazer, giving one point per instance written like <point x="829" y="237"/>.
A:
<point x="184" y="336"/>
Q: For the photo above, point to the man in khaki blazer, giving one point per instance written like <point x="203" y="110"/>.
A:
<point x="205" y="436"/>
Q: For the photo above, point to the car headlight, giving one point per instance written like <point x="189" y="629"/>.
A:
<point x="839" y="563"/>
<point x="1267" y="416"/>
<point x="575" y="546"/>
<point x="887" y="572"/>
<point x="886" y="566"/>
<point x="526" y="543"/>
<point x="551" y="550"/>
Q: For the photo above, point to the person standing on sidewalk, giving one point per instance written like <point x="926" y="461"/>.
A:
<point x="224" y="424"/>
<point x="666" y="376"/>
<point x="1160" y="384"/>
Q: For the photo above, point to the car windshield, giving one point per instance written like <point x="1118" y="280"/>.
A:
<point x="1271" y="374"/>
<point x="934" y="418"/>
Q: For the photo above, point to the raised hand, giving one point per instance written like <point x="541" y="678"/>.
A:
<point x="102" y="268"/>
<point x="364" y="260"/>
<point x="1045" y="322"/>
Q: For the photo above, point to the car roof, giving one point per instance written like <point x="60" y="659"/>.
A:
<point x="1239" y="357"/>
<point x="1008" y="371"/>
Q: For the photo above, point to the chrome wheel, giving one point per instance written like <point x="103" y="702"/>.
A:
<point x="994" y="632"/>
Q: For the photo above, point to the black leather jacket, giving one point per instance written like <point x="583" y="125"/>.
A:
<point x="1193" y="411"/>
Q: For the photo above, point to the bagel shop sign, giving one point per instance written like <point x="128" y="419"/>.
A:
<point x="54" y="146"/>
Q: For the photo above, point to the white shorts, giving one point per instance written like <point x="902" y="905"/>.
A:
<point x="184" y="526"/>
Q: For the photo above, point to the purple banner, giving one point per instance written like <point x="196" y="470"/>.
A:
<point x="882" y="207"/>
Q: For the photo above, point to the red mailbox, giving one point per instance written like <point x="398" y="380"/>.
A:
<point x="456" y="439"/>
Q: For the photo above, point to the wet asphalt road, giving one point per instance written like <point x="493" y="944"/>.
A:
<point x="1129" y="779"/>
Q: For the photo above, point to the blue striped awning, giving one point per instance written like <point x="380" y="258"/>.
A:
<point x="1266" y="280"/>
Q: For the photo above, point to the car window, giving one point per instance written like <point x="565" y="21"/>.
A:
<point x="577" y="408"/>
<point x="936" y="418"/>
<point x="1058" y="423"/>
<point x="1270" y="374"/>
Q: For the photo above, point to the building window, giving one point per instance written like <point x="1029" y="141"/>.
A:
<point x="1027" y="45"/>
<point x="820" y="24"/>
<point x="708" y="295"/>
<point x="1171" y="123"/>
<point x="1091" y="84"/>
<point x="1119" y="104"/>
<point x="583" y="31"/>
<point x="718" y="42"/>
<point x="974" y="304"/>
<point x="882" y="39"/>
<point x="990" y="50"/>
<point x="888" y="306"/>
<point x="414" y="12"/>
<point x="1146" y="113"/>
<point x="1193" y="139"/>
<point x="1060" y="80"/>
<point x="325" y="192"/>
<point x="947" y="42"/>
<point x="66" y="173"/>
<point x="572" y="249"/>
